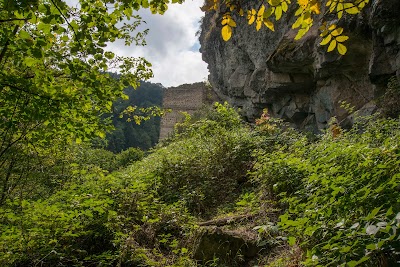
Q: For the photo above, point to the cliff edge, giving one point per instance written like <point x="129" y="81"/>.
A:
<point x="297" y="80"/>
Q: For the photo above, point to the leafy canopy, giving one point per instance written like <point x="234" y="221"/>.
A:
<point x="306" y="12"/>
<point x="55" y="79"/>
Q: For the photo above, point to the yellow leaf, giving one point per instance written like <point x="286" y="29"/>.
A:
<point x="332" y="27"/>
<point x="252" y="19"/>
<point x="241" y="12"/>
<point x="326" y="40"/>
<point x="258" y="25"/>
<point x="339" y="10"/>
<point x="342" y="38"/>
<point x="299" y="11"/>
<point x="226" y="32"/>
<point x="315" y="8"/>
<point x="284" y="7"/>
<point x="332" y="46"/>
<point x="351" y="9"/>
<point x="298" y="22"/>
<point x="329" y="3"/>
<point x="341" y="49"/>
<point x="337" y="32"/>
<point x="333" y="6"/>
<point x="231" y="22"/>
<point x="232" y="7"/>
<point x="269" y="24"/>
<point x="324" y="33"/>
<point x="224" y="21"/>
<point x="278" y="13"/>
<point x="261" y="11"/>
<point x="301" y="33"/>
<point x="302" y="3"/>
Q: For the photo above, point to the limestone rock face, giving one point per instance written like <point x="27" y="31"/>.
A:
<point x="297" y="80"/>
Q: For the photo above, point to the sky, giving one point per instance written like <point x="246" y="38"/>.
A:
<point x="172" y="46"/>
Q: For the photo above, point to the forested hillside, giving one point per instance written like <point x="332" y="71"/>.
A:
<point x="127" y="132"/>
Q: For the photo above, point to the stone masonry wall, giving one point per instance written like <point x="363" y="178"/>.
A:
<point x="184" y="98"/>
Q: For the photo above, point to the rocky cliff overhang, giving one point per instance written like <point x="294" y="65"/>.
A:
<point x="298" y="80"/>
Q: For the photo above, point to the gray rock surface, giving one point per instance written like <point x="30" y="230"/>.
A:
<point x="297" y="80"/>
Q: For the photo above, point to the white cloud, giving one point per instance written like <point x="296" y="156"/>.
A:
<point x="171" y="45"/>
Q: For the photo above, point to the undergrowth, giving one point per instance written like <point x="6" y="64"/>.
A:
<point x="327" y="201"/>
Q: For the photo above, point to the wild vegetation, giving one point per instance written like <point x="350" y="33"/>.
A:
<point x="284" y="197"/>
<point x="321" y="201"/>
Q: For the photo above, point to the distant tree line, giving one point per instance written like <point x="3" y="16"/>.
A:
<point x="128" y="133"/>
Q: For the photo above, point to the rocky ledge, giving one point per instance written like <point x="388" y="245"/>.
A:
<point x="297" y="80"/>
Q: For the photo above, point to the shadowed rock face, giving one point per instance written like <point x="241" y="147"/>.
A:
<point x="297" y="80"/>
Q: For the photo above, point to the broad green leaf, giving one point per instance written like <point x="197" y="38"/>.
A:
<point x="25" y="35"/>
<point x="29" y="61"/>
<point x="372" y="214"/>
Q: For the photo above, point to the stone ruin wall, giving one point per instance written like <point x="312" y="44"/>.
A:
<point x="184" y="98"/>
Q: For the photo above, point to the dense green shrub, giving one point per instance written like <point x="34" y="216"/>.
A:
<point x="129" y="156"/>
<point x="137" y="216"/>
<point x="342" y="194"/>
<point x="207" y="163"/>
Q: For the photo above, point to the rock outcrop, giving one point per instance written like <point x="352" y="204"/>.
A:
<point x="297" y="80"/>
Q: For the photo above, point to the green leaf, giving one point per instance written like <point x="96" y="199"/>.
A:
<point x="29" y="61"/>
<point x="389" y="211"/>
<point x="372" y="214"/>
<point x="25" y="35"/>
<point x="291" y="240"/>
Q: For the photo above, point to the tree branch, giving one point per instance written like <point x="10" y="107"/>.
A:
<point x="12" y="19"/>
